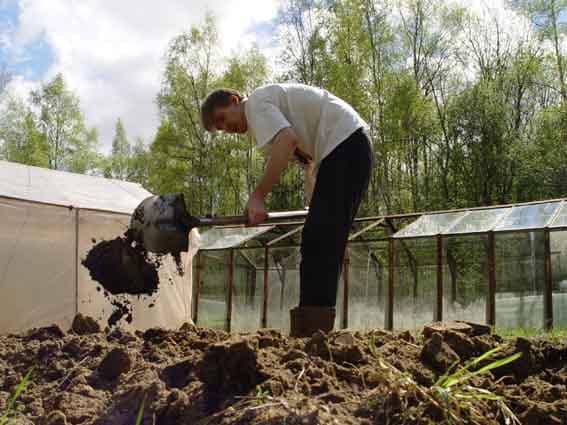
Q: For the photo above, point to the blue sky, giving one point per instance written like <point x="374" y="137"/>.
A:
<point x="34" y="59"/>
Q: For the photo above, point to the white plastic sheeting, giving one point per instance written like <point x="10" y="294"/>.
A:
<point x="49" y="220"/>
<point x="68" y="189"/>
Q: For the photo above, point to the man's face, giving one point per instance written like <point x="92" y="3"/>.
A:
<point x="230" y="119"/>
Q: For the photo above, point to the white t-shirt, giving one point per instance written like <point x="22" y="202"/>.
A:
<point x="321" y="120"/>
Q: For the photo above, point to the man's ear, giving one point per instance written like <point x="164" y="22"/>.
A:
<point x="234" y="100"/>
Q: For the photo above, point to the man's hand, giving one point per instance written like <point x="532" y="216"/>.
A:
<point x="255" y="209"/>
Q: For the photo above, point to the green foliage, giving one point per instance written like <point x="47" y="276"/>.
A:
<point x="70" y="144"/>
<point x="12" y="402"/>
<point x="120" y="159"/>
<point x="22" y="141"/>
<point x="140" y="415"/>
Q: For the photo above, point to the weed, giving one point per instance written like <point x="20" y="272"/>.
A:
<point x="19" y="389"/>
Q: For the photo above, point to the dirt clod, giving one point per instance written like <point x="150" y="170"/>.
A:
<point x="231" y="366"/>
<point x="55" y="418"/>
<point x="115" y="363"/>
<point x="438" y="354"/>
<point x="84" y="325"/>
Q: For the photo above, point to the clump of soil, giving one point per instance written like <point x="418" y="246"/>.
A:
<point x="122" y="266"/>
<point x="198" y="375"/>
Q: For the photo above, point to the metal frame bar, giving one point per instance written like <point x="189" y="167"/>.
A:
<point x="365" y="229"/>
<point x="264" y="319"/>
<point x="547" y="286"/>
<point x="230" y="287"/>
<point x="491" y="301"/>
<point x="284" y="236"/>
<point x="197" y="280"/>
<point x="346" y="267"/>
<point x="389" y="319"/>
<point x="438" y="316"/>
<point x="76" y="268"/>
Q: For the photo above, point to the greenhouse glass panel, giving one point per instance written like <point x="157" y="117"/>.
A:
<point x="558" y="242"/>
<point x="415" y="282"/>
<point x="465" y="278"/>
<point x="229" y="237"/>
<point x="519" y="280"/>
<point x="428" y="225"/>
<point x="212" y="297"/>
<point x="368" y="286"/>
<point x="248" y="290"/>
<point x="528" y="217"/>
<point x="561" y="219"/>
<point x="283" y="286"/>
<point x="477" y="221"/>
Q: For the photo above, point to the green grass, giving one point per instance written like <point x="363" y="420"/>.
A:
<point x="453" y="392"/>
<point x="11" y="403"/>
<point x="140" y="412"/>
<point x="554" y="334"/>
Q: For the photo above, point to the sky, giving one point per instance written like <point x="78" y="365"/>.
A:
<point x="111" y="53"/>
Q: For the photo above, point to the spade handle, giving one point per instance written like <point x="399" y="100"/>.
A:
<point x="273" y="217"/>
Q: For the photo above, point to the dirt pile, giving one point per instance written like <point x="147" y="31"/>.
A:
<point x="204" y="376"/>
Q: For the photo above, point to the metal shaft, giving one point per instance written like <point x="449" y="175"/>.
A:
<point x="273" y="217"/>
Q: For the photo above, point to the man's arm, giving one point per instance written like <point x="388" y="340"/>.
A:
<point x="281" y="152"/>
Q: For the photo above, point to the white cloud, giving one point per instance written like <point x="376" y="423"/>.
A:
<point x="111" y="53"/>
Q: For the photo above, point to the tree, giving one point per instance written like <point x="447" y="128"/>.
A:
<point x="71" y="145"/>
<point x="21" y="141"/>
<point x="139" y="163"/>
<point x="120" y="158"/>
<point x="548" y="17"/>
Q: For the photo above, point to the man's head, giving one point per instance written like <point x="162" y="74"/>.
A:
<point x="223" y="110"/>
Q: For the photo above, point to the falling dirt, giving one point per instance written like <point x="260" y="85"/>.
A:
<point x="124" y="267"/>
<point x="203" y="376"/>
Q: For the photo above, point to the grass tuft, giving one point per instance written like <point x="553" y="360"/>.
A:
<point x="19" y="390"/>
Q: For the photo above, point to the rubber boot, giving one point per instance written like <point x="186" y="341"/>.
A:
<point x="305" y="321"/>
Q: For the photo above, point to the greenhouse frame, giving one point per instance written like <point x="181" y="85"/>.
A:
<point x="502" y="265"/>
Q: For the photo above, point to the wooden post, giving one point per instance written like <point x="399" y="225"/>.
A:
<point x="439" y="304"/>
<point x="389" y="320"/>
<point x="77" y="259"/>
<point x="491" y="301"/>
<point x="265" y="295"/>
<point x="346" y="266"/>
<point x="229" y="288"/>
<point x="197" y="286"/>
<point x="547" y="288"/>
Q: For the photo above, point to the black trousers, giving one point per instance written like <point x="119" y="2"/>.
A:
<point x="342" y="180"/>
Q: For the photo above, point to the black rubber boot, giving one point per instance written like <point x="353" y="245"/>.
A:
<point x="305" y="321"/>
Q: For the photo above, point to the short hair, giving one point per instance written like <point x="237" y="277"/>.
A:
<point x="219" y="97"/>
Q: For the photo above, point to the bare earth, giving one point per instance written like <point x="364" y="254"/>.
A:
<point x="204" y="376"/>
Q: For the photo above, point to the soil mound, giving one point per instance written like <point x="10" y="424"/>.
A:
<point x="196" y="375"/>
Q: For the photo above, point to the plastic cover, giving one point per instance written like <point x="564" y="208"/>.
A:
<point x="428" y="225"/>
<point x="37" y="253"/>
<point x="68" y="189"/>
<point x="230" y="237"/>
<point x="528" y="217"/>
<point x="561" y="219"/>
<point x="477" y="221"/>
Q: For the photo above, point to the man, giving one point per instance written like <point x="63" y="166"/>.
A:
<point x="328" y="136"/>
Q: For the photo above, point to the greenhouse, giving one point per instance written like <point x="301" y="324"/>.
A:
<point x="501" y="265"/>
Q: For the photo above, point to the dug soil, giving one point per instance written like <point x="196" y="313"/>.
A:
<point x="123" y="267"/>
<point x="204" y="376"/>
